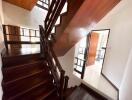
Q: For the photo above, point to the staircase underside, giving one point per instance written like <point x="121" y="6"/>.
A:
<point x="87" y="16"/>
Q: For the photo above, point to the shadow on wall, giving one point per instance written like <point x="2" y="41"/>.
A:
<point x="67" y="63"/>
<point x="126" y="86"/>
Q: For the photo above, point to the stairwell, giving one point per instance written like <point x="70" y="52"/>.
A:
<point x="40" y="76"/>
<point x="31" y="79"/>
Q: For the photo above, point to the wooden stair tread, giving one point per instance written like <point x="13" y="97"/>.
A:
<point x="23" y="65"/>
<point x="25" y="84"/>
<point x="45" y="95"/>
<point x="53" y="96"/>
<point x="69" y="91"/>
<point x="26" y="91"/>
<point x="22" y="71"/>
<point x="20" y="78"/>
<point x="39" y="93"/>
<point x="81" y="94"/>
<point x="18" y="60"/>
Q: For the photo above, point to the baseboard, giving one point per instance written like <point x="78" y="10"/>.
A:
<point x="92" y="92"/>
<point x="110" y="83"/>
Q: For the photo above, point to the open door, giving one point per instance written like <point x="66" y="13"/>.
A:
<point x="93" y="38"/>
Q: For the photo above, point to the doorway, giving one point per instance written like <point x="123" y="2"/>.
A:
<point x="97" y="44"/>
<point x="90" y="54"/>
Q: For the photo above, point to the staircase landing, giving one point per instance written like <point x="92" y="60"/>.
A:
<point x="25" y="50"/>
<point x="82" y="93"/>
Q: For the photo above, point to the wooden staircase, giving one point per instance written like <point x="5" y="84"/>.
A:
<point x="77" y="21"/>
<point x="66" y="17"/>
<point x="31" y="80"/>
<point x="40" y="76"/>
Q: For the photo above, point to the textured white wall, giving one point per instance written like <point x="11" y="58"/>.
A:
<point x="67" y="62"/>
<point x="120" y="22"/>
<point x="1" y="44"/>
<point x="1" y="21"/>
<point x="15" y="15"/>
<point x="126" y="86"/>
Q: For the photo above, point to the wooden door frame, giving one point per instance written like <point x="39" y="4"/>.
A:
<point x="87" y="49"/>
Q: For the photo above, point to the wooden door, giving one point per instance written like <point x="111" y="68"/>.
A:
<point x="93" y="38"/>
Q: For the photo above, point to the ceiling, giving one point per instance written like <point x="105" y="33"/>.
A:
<point x="26" y="4"/>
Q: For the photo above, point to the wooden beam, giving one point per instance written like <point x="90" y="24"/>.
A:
<point x="26" y="4"/>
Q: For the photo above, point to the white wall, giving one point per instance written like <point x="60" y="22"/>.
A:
<point x="15" y="15"/>
<point x="1" y="44"/>
<point x="119" y="20"/>
<point x="67" y="62"/>
<point x="118" y="57"/>
<point x="126" y="86"/>
<point x="1" y="21"/>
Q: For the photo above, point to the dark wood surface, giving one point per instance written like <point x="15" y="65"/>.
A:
<point x="27" y="78"/>
<point x="83" y="92"/>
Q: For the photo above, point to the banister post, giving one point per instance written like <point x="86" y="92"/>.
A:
<point x="5" y="37"/>
<point x="62" y="84"/>
<point x="66" y="83"/>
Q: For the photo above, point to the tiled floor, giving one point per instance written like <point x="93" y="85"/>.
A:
<point x="96" y="81"/>
<point x="94" y="78"/>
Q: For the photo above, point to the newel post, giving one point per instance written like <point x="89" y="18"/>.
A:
<point x="62" y="79"/>
<point x="66" y="83"/>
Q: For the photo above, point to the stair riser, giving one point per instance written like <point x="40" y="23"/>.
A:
<point x="17" y="60"/>
<point x="35" y="94"/>
<point x="23" y="71"/>
<point x="24" y="84"/>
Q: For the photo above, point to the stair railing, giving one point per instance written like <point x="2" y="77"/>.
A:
<point x="60" y="80"/>
<point x="13" y="36"/>
<point x="52" y="15"/>
<point x="44" y="4"/>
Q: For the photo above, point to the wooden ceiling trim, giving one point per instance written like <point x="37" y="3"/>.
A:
<point x="26" y="4"/>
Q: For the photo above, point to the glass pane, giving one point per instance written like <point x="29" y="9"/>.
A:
<point x="82" y="63"/>
<point x="26" y="32"/>
<point x="64" y="8"/>
<point x="32" y="32"/>
<point x="39" y="2"/>
<point x="79" y="68"/>
<point x="23" y="38"/>
<point x="21" y="31"/>
<point x="37" y="34"/>
<point x="47" y="1"/>
<point x="45" y="5"/>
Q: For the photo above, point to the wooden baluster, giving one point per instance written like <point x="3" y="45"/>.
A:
<point x="5" y="36"/>
<point x="62" y="84"/>
<point x="66" y="83"/>
<point x="41" y="41"/>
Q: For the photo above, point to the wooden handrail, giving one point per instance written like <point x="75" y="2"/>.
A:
<point x="49" y="12"/>
<point x="60" y="80"/>
<point x="15" y="31"/>
<point x="56" y="60"/>
<point x="53" y="14"/>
